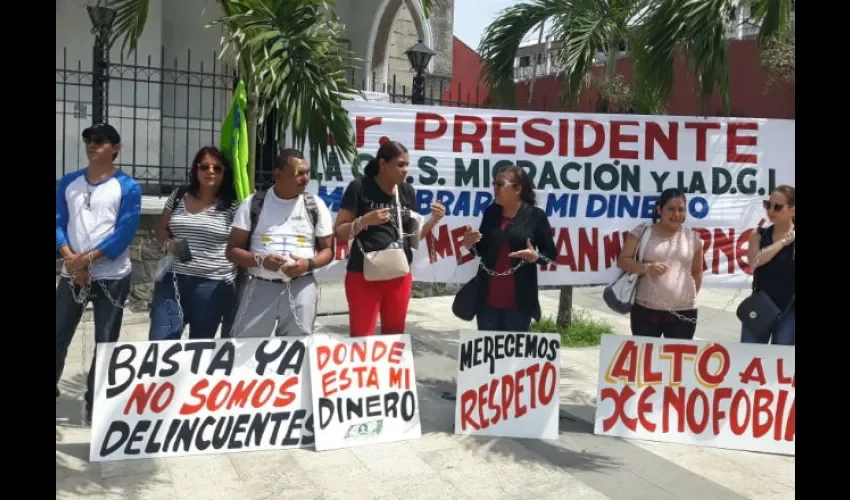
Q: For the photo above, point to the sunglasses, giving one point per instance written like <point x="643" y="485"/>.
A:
<point x="501" y="184"/>
<point x="205" y="167"/>
<point x="775" y="206"/>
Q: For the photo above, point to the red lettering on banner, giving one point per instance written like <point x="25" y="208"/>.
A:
<point x="499" y="399"/>
<point x="448" y="243"/>
<point x="499" y="133"/>
<point x="734" y="140"/>
<point x="584" y="249"/>
<point x="361" y="354"/>
<point x="255" y="394"/>
<point x="540" y="136"/>
<point x="618" y="138"/>
<point x="473" y="138"/>
<point x="677" y="354"/>
<point x="361" y="123"/>
<point x="667" y="142"/>
<point x="155" y="396"/>
<point x="421" y="133"/>
<point x="753" y="372"/>
<point x="764" y="413"/>
<point x="546" y="139"/>
<point x="701" y="136"/>
<point x="780" y="374"/>
<point x="585" y="150"/>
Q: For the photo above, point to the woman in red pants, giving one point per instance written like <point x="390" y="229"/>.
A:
<point x="374" y="211"/>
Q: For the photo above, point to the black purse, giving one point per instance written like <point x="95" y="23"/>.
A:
<point x="758" y="313"/>
<point x="465" y="305"/>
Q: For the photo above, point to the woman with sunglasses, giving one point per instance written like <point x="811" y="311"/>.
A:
<point x="514" y="236"/>
<point x="772" y="249"/>
<point x="193" y="229"/>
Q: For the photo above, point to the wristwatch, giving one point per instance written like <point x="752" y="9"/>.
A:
<point x="311" y="265"/>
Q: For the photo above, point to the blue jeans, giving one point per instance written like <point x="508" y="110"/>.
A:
<point x="204" y="302"/>
<point x="107" y="320"/>
<point x="493" y="319"/>
<point x="783" y="333"/>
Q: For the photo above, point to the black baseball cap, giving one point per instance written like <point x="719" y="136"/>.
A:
<point x="104" y="131"/>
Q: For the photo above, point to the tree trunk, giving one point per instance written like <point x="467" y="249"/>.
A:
<point x="565" y="306"/>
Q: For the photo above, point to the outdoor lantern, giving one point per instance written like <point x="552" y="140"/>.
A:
<point x="101" y="16"/>
<point x="419" y="56"/>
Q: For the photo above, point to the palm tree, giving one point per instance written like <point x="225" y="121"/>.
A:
<point x="653" y="31"/>
<point x="699" y="29"/>
<point x="288" y="55"/>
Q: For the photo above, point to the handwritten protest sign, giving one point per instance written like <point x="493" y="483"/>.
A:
<point x="176" y="398"/>
<point x="364" y="391"/>
<point x="718" y="394"/>
<point x="508" y="384"/>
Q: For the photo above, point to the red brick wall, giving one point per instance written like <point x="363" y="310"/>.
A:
<point x="750" y="94"/>
<point x="466" y="66"/>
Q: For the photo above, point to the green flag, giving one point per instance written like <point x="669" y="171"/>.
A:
<point x="234" y="141"/>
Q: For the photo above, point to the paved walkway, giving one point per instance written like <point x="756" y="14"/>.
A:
<point x="440" y="465"/>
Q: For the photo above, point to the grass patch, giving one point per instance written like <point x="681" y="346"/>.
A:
<point x="584" y="331"/>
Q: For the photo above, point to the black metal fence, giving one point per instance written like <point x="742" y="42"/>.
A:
<point x="166" y="111"/>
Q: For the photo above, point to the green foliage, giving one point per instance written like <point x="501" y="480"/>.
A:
<point x="778" y="56"/>
<point x="584" y="331"/>
<point x="297" y="66"/>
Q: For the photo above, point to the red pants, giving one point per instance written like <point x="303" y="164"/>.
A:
<point x="368" y="298"/>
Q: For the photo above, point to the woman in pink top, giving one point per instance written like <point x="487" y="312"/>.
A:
<point x="671" y="271"/>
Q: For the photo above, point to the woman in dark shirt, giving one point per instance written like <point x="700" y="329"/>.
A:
<point x="772" y="249"/>
<point x="368" y="220"/>
<point x="513" y="230"/>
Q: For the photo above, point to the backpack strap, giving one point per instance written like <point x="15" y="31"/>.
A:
<point x="179" y="193"/>
<point x="256" y="207"/>
<point x="312" y="207"/>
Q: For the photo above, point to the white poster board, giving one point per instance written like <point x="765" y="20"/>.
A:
<point x="508" y="384"/>
<point x="364" y="391"/>
<point x="198" y="397"/>
<point x="718" y="394"/>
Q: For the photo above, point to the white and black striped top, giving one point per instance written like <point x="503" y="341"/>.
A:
<point x="207" y="233"/>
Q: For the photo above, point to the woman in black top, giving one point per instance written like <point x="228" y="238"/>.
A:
<point x="369" y="216"/>
<point x="514" y="235"/>
<point x="772" y="249"/>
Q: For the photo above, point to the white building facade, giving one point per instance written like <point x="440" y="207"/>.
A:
<point x="171" y="97"/>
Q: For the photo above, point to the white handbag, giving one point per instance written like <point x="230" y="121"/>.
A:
<point x="389" y="263"/>
<point x="619" y="296"/>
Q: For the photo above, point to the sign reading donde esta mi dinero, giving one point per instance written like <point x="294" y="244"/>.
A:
<point x="175" y="398"/>
<point x="597" y="177"/>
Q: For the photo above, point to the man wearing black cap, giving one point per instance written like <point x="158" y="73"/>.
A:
<point x="97" y="214"/>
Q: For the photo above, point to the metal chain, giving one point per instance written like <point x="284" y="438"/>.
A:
<point x="666" y="308"/>
<point x="259" y="259"/>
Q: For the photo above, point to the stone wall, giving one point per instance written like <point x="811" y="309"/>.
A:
<point x="144" y="254"/>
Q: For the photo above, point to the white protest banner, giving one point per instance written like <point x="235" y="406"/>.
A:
<point x="194" y="397"/>
<point x="364" y="391"/>
<point x="597" y="177"/>
<point x="508" y="384"/>
<point x="718" y="394"/>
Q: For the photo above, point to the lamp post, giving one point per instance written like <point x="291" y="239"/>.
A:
<point x="419" y="56"/>
<point x="101" y="18"/>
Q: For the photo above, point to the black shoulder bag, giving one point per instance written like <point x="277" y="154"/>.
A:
<point x="758" y="313"/>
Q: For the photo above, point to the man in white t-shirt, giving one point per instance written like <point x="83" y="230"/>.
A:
<point x="281" y="242"/>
